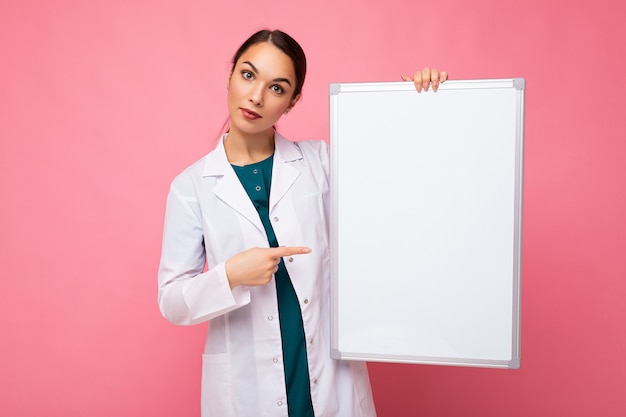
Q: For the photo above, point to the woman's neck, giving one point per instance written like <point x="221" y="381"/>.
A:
<point x="247" y="149"/>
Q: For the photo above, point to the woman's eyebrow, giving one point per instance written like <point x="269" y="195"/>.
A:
<point x="285" y="80"/>
<point x="278" y="80"/>
<point x="251" y="65"/>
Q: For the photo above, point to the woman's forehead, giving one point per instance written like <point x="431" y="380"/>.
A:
<point x="268" y="60"/>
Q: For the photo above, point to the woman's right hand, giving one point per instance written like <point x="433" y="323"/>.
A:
<point x="428" y="77"/>
<point x="256" y="266"/>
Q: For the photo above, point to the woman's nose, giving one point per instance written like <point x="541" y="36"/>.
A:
<point x="256" y="96"/>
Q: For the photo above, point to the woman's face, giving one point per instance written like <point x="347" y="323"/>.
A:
<point x="260" y="89"/>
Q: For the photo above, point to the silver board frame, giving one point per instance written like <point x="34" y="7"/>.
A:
<point x="426" y="222"/>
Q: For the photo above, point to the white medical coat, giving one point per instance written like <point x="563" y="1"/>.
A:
<point x="210" y="218"/>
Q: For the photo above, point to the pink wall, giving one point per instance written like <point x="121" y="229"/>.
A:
<point x="103" y="102"/>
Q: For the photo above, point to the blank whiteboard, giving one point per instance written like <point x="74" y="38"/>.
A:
<point x="426" y="206"/>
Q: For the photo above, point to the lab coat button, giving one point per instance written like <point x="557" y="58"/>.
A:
<point x="270" y="318"/>
<point x="279" y="403"/>
<point x="276" y="218"/>
<point x="306" y="301"/>
<point x="290" y="259"/>
<point x="275" y="360"/>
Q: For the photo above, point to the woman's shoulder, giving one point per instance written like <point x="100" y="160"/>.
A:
<point x="315" y="154"/>
<point x="193" y="169"/>
<point x="312" y="144"/>
<point x="207" y="166"/>
<point x="315" y="148"/>
<point x="307" y="147"/>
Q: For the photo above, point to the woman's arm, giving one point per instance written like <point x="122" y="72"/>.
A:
<point x="187" y="293"/>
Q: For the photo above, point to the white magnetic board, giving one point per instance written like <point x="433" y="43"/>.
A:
<point x="426" y="207"/>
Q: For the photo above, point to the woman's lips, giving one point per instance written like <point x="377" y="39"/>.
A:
<point x="249" y="114"/>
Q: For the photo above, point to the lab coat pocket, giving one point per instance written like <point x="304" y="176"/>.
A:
<point x="217" y="386"/>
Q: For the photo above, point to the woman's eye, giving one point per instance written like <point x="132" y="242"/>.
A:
<point x="247" y="75"/>
<point x="277" y="89"/>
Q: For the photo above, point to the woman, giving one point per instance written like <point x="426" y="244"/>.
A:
<point x="267" y="353"/>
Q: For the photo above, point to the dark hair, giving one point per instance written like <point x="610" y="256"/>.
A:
<point x="285" y="43"/>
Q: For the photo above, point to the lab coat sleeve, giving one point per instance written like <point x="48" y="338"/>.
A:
<point x="188" y="294"/>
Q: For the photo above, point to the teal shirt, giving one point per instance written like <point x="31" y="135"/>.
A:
<point x="256" y="180"/>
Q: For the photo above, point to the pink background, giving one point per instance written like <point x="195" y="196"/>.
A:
<point x="103" y="102"/>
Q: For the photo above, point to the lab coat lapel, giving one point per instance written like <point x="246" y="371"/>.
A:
<point x="228" y="188"/>
<point x="283" y="173"/>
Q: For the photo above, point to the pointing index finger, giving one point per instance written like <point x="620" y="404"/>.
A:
<point x="290" y="250"/>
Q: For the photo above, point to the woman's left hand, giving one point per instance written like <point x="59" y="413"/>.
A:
<point x="426" y="78"/>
